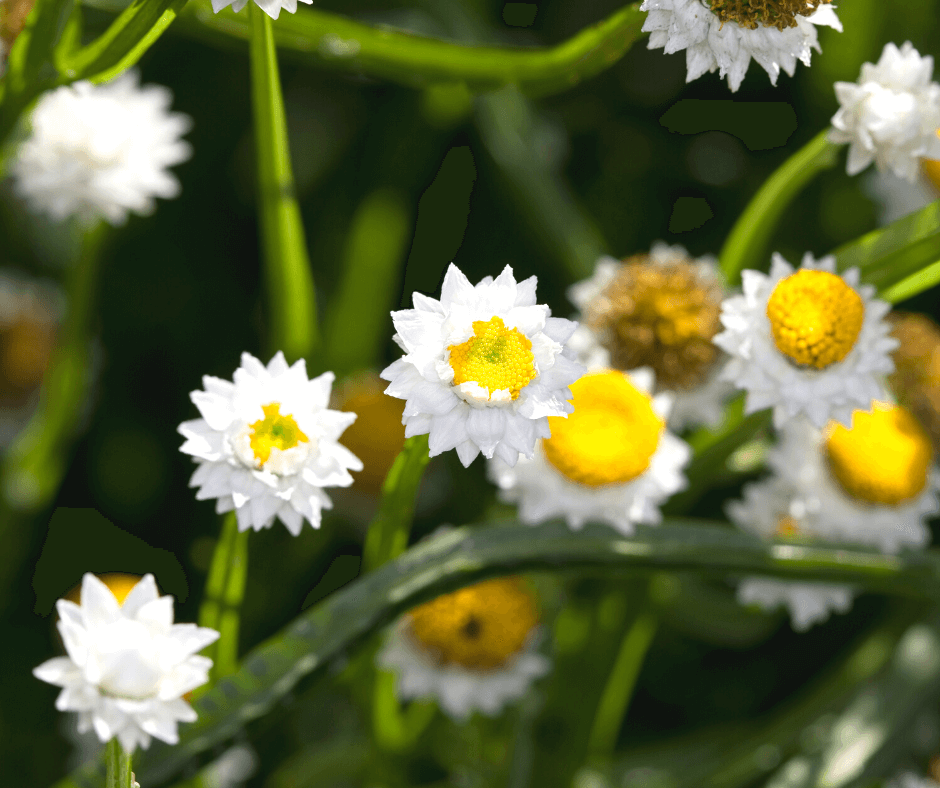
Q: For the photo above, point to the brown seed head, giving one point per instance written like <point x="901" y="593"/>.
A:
<point x="916" y="377"/>
<point x="751" y="14"/>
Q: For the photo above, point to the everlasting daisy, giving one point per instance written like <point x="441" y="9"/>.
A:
<point x="612" y="460"/>
<point x="724" y="35"/>
<point x="661" y="311"/>
<point x="916" y="378"/>
<point x="267" y="444"/>
<point x="768" y="510"/>
<point x="100" y="151"/>
<point x="128" y="665"/>
<point x="874" y="483"/>
<point x="483" y="368"/>
<point x="808" y="342"/>
<point x="271" y="7"/>
<point x="891" y="115"/>
<point x="469" y="650"/>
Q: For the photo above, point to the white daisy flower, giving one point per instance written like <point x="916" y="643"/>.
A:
<point x="811" y="342"/>
<point x="271" y="7"/>
<point x="612" y="460"/>
<point x="267" y="444"/>
<point x="100" y="151"/>
<point x="767" y="510"/>
<point x="472" y="650"/>
<point x="874" y="484"/>
<point x="128" y="665"/>
<point x="662" y="311"/>
<point x="724" y="35"/>
<point x="483" y="368"/>
<point x="891" y="115"/>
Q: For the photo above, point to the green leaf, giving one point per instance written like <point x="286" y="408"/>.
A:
<point x="896" y="253"/>
<point x="124" y="42"/>
<point x="334" y="628"/>
<point x="292" y="305"/>
<point x="914" y="285"/>
<point x="326" y="39"/>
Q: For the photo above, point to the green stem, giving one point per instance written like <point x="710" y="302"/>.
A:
<point x="620" y="685"/>
<point x="119" y="766"/>
<point x="225" y="589"/>
<point x="747" y="242"/>
<point x="291" y="297"/>
<point x="388" y="533"/>
<point x="335" y="41"/>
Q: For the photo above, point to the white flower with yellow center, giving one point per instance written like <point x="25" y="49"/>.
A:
<point x="767" y="510"/>
<point x="724" y="35"/>
<point x="891" y="115"/>
<point x="271" y="7"/>
<point x="101" y="151"/>
<point x="470" y="650"/>
<point x="128" y="664"/>
<point x="613" y="460"/>
<point x="810" y="342"/>
<point x="662" y="311"/>
<point x="875" y="483"/>
<point x="267" y="444"/>
<point x="483" y="368"/>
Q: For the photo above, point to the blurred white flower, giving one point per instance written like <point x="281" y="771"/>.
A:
<point x="891" y="115"/>
<point x="659" y="310"/>
<point x="809" y="342"/>
<point x="896" y="197"/>
<point x="100" y="151"/>
<point x="767" y="510"/>
<point x="483" y="368"/>
<point x="271" y="7"/>
<point x="267" y="444"/>
<point x="911" y="780"/>
<point x="725" y="36"/>
<point x="128" y="665"/>
<point x="612" y="460"/>
<point x="470" y="650"/>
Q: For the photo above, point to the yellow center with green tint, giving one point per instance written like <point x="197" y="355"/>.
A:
<point x="611" y="436"/>
<point x="495" y="358"/>
<point x="885" y="457"/>
<point x="274" y="431"/>
<point x="479" y="627"/>
<point x="786" y="526"/>
<point x="815" y="317"/>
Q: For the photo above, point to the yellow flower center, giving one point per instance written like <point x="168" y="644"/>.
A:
<point x="274" y="431"/>
<point x="883" y="459"/>
<point x="786" y="526"/>
<point x="611" y="436"/>
<point x="479" y="627"/>
<point x="661" y="316"/>
<point x="780" y="14"/>
<point x="815" y="317"/>
<point x="118" y="584"/>
<point x="495" y="358"/>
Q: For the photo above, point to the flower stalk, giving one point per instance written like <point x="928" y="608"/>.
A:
<point x="119" y="766"/>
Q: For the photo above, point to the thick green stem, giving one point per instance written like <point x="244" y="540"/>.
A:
<point x="221" y="604"/>
<point x="388" y="533"/>
<point x="338" y="42"/>
<point x="119" y="766"/>
<point x="619" y="690"/>
<point x="747" y="242"/>
<point x="292" y="317"/>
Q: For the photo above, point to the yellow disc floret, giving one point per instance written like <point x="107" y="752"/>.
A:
<point x="885" y="457"/>
<point x="118" y="584"/>
<point x="480" y="627"/>
<point x="274" y="431"/>
<point x="495" y="358"/>
<point x="815" y="317"/>
<point x="786" y="526"/>
<point x="611" y="436"/>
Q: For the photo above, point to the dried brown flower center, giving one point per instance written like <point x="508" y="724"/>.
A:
<point x="661" y="316"/>
<point x="751" y="14"/>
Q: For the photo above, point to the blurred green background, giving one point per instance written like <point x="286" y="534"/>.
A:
<point x="629" y="157"/>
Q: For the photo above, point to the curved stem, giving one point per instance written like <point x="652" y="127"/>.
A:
<point x="388" y="533"/>
<point x="747" y="242"/>
<point x="335" y="41"/>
